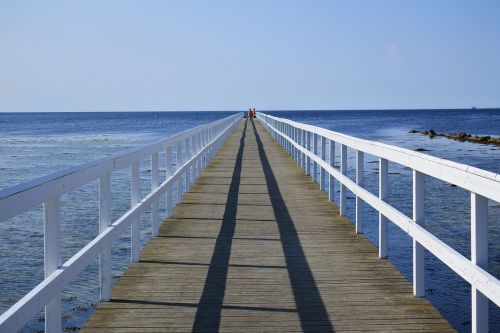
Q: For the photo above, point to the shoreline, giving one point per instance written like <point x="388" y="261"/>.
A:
<point x="461" y="136"/>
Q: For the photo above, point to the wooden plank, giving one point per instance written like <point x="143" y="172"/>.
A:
<point x="256" y="246"/>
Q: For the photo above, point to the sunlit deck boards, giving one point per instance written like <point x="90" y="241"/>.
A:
<point x="256" y="246"/>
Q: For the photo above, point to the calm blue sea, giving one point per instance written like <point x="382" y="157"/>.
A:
<point x="35" y="144"/>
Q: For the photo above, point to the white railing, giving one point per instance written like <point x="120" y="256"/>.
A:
<point x="301" y="142"/>
<point x="193" y="150"/>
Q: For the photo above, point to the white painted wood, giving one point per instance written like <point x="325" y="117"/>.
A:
<point x="285" y="142"/>
<point x="104" y="223"/>
<point x="359" y="181"/>
<point x="479" y="256"/>
<point x="315" y="164"/>
<point x="322" y="178"/>
<point x="17" y="199"/>
<point x="20" y="198"/>
<point x="470" y="178"/>
<point x="299" y="141"/>
<point x="187" y="155"/>
<point x="308" y="158"/>
<point x="168" y="173"/>
<point x="302" y="143"/>
<point x="197" y="149"/>
<point x="295" y="133"/>
<point x="47" y="292"/>
<point x="135" y="231"/>
<point x="41" y="295"/>
<point x="283" y="129"/>
<point x="280" y="139"/>
<point x="475" y="275"/>
<point x="178" y="164"/>
<point x="52" y="259"/>
<point x="178" y="155"/>
<point x="287" y="131"/>
<point x="383" y="186"/>
<point x="343" y="170"/>
<point x="331" y="182"/>
<point x="471" y="273"/>
<point x="418" y="250"/>
<point x="155" y="182"/>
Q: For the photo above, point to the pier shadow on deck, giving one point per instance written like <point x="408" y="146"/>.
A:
<point x="256" y="247"/>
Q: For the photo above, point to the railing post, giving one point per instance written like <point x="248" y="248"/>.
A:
<point x="178" y="163"/>
<point x="418" y="250"/>
<point x="283" y="127"/>
<point x="155" y="182"/>
<point x="315" y="151"/>
<point x="287" y="143"/>
<point x="198" y="149"/>
<point x="304" y="144"/>
<point x="205" y="137"/>
<point x="479" y="256"/>
<point x="190" y="171"/>
<point x="383" y="182"/>
<point x="187" y="147"/>
<point x="300" y="143"/>
<point x="308" y="159"/>
<point x="343" y="170"/>
<point x="52" y="259"/>
<point x="277" y="128"/>
<point x="187" y="157"/>
<point x="296" y="140"/>
<point x="104" y="223"/>
<point x="285" y="132"/>
<point x="359" y="182"/>
<point x="203" y="145"/>
<point x="322" y="176"/>
<point x="135" y="232"/>
<point x="280" y="137"/>
<point x="331" y="184"/>
<point x="169" y="172"/>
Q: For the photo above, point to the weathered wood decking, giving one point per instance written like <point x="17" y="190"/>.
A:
<point x="257" y="247"/>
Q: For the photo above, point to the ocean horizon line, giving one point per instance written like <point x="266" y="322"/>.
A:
<point x="259" y="110"/>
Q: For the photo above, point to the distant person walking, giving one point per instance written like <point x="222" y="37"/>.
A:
<point x="251" y="113"/>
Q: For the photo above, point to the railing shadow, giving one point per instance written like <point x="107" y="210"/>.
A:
<point x="310" y="306"/>
<point x="208" y="313"/>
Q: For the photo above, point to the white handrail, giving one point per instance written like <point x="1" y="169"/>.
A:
<point x="19" y="198"/>
<point x="296" y="139"/>
<point x="200" y="145"/>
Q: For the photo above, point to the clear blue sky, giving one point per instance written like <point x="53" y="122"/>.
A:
<point x="229" y="55"/>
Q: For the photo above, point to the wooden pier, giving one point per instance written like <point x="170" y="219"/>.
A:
<point x="255" y="246"/>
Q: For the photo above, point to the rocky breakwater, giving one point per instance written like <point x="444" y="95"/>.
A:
<point x="461" y="136"/>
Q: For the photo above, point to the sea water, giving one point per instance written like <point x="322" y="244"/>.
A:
<point x="36" y="144"/>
